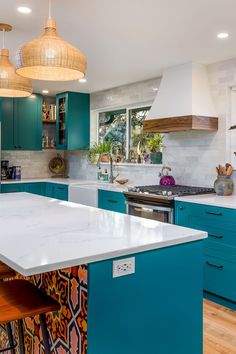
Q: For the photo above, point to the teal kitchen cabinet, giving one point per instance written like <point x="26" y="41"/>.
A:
<point x="22" y="123"/>
<point x="57" y="191"/>
<point x="47" y="189"/>
<point x="73" y="121"/>
<point x="12" y="188"/>
<point x="219" y="247"/>
<point x="114" y="201"/>
<point x="7" y="120"/>
<point x="38" y="188"/>
<point x="34" y="188"/>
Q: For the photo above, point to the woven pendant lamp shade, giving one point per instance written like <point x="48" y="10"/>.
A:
<point x="11" y="84"/>
<point x="50" y="57"/>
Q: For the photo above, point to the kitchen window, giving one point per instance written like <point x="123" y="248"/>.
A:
<point x="124" y="128"/>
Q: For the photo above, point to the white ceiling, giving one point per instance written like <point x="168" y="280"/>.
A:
<point x="128" y="40"/>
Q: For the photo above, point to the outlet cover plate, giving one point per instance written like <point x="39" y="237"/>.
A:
<point x="122" y="267"/>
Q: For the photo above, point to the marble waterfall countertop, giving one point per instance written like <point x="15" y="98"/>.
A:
<point x="211" y="199"/>
<point x="40" y="234"/>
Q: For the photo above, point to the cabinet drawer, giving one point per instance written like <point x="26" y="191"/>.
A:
<point x="114" y="201"/>
<point x="12" y="188"/>
<point x="202" y="216"/>
<point x="219" y="277"/>
<point x="60" y="192"/>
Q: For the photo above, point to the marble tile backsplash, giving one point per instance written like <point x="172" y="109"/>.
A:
<point x="34" y="164"/>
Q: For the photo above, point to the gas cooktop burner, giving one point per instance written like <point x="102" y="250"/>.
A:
<point x="176" y="190"/>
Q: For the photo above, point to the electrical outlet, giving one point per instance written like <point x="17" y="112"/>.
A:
<point x="123" y="267"/>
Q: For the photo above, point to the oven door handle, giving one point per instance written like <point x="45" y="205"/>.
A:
<point x="152" y="207"/>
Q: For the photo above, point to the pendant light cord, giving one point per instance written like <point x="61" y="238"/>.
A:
<point x="49" y="9"/>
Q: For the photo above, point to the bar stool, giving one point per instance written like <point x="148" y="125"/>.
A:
<point x="6" y="273"/>
<point x="20" y="299"/>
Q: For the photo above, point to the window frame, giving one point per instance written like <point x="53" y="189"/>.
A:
<point x="128" y="115"/>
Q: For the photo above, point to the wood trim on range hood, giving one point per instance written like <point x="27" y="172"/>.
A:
<point x="177" y="124"/>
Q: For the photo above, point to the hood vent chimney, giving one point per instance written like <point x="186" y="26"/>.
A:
<point x="183" y="101"/>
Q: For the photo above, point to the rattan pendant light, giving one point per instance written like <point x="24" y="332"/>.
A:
<point x="50" y="57"/>
<point x="11" y="84"/>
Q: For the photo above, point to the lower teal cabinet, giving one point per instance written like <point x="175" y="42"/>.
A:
<point x="219" y="247"/>
<point x="113" y="201"/>
<point x="36" y="188"/>
<point x="13" y="188"/>
<point x="57" y="191"/>
<point x="47" y="189"/>
<point x="219" y="277"/>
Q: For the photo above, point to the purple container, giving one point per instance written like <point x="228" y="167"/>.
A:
<point x="167" y="181"/>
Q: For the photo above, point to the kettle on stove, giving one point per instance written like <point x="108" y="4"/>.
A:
<point x="166" y="179"/>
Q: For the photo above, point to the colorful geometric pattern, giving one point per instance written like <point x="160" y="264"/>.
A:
<point x="67" y="327"/>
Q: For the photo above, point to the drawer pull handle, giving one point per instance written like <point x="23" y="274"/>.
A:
<point x="214" y="265"/>
<point x="216" y="236"/>
<point x="112" y="201"/>
<point x="216" y="214"/>
<point x="61" y="188"/>
<point x="181" y="208"/>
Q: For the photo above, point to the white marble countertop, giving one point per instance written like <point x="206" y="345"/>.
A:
<point x="73" y="182"/>
<point x="40" y="234"/>
<point x="211" y="199"/>
<point x="67" y="181"/>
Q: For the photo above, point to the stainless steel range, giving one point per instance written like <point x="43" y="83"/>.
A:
<point x="157" y="202"/>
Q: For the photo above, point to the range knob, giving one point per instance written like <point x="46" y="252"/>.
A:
<point x="164" y="192"/>
<point x="169" y="193"/>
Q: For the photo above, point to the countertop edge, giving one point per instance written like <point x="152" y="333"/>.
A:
<point x="103" y="257"/>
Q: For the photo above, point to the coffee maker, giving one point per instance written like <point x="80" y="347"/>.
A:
<point x="4" y="169"/>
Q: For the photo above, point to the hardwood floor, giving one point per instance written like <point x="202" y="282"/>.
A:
<point x="219" y="329"/>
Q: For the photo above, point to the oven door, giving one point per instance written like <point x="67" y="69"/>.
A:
<point x="153" y="212"/>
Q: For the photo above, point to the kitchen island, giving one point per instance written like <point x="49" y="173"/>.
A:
<point x="71" y="250"/>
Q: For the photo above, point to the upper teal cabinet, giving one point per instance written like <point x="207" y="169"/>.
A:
<point x="73" y="121"/>
<point x="22" y="123"/>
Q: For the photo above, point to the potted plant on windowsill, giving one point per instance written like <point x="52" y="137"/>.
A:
<point x="155" y="144"/>
<point x="100" y="150"/>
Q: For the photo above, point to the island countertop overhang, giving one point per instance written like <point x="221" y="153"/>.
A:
<point x="40" y="234"/>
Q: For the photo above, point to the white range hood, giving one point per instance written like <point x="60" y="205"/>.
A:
<point x="183" y="101"/>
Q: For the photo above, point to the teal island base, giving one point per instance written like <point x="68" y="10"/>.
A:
<point x="156" y="310"/>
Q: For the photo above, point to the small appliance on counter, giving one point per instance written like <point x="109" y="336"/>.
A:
<point x="166" y="179"/>
<point x="4" y="169"/>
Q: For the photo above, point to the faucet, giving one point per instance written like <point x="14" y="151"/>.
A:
<point x="112" y="177"/>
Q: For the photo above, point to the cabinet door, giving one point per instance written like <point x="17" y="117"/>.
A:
<point x="7" y="118"/>
<point x="60" y="192"/>
<point x="61" y="121"/>
<point x="113" y="201"/>
<point x="38" y="188"/>
<point x="28" y="122"/>
<point x="13" y="188"/>
<point x="73" y="121"/>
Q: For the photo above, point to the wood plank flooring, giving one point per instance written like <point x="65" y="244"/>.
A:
<point x="219" y="329"/>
